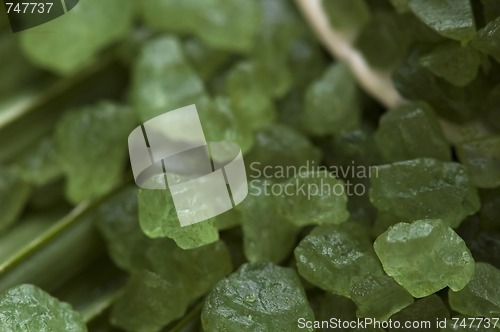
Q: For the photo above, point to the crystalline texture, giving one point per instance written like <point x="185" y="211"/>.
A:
<point x="335" y="257"/>
<point x="132" y="251"/>
<point x="158" y="218"/>
<point x="258" y="297"/>
<point x="386" y="28"/>
<point x="424" y="189"/>
<point x="90" y="141"/>
<point x="456" y="64"/>
<point x="425" y="256"/>
<point x="280" y="146"/>
<point x="148" y="303"/>
<point x="73" y="40"/>
<point x="488" y="39"/>
<point x="332" y="102"/>
<point x="216" y="22"/>
<point x="314" y="198"/>
<point x="450" y="18"/>
<point x="250" y="100"/>
<point x="409" y="132"/>
<point x="481" y="296"/>
<point x="428" y="308"/>
<point x="267" y="235"/>
<point x="27" y="308"/>
<point x="163" y="80"/>
<point x="482" y="158"/>
<point x="372" y="293"/>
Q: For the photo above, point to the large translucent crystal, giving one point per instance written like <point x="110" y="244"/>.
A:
<point x="371" y="295"/>
<point x="411" y="131"/>
<point x="91" y="143"/>
<point x="258" y="297"/>
<point x="425" y="256"/>
<point x="27" y="308"/>
<point x="335" y="257"/>
<point x="424" y="189"/>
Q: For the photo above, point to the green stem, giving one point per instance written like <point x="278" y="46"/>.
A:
<point x="32" y="114"/>
<point x="55" y="255"/>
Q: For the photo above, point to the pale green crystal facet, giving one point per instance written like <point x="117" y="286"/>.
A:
<point x="428" y="309"/>
<point x="409" y="132"/>
<point x="379" y="297"/>
<point x="334" y="257"/>
<point x="482" y="158"/>
<point x="425" y="256"/>
<point x="148" y="303"/>
<point x="131" y="250"/>
<point x="456" y="64"/>
<point x="424" y="189"/>
<point x="83" y="138"/>
<point x="481" y="296"/>
<point x="313" y="198"/>
<point x="450" y="18"/>
<point x="224" y="24"/>
<point x="258" y="297"/>
<point x="332" y="102"/>
<point x="74" y="39"/>
<point x="27" y="308"/>
<point x="163" y="80"/>
<point x="158" y="218"/>
<point x="267" y="235"/>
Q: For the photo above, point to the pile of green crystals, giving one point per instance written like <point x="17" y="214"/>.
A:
<point x="354" y="211"/>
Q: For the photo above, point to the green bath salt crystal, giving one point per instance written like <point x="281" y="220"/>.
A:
<point x="148" y="303"/>
<point x="163" y="79"/>
<point x="258" y="297"/>
<point x="409" y="132"/>
<point x="213" y="21"/>
<point x="488" y="39"/>
<point x="379" y="297"/>
<point x="221" y="123"/>
<point x="206" y="60"/>
<point x="280" y="27"/>
<point x="133" y="251"/>
<point x="450" y="18"/>
<point x="83" y="137"/>
<point x="481" y="296"/>
<point x="424" y="188"/>
<point x="482" y="158"/>
<point x="158" y="219"/>
<point x="428" y="309"/>
<point x="313" y="198"/>
<point x="456" y="64"/>
<point x="386" y="28"/>
<point x="335" y="257"/>
<point x="27" y="308"/>
<point x="280" y="146"/>
<point x="70" y="42"/>
<point x="425" y="256"/>
<point x="250" y="99"/>
<point x="267" y="235"/>
<point x="332" y="102"/>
